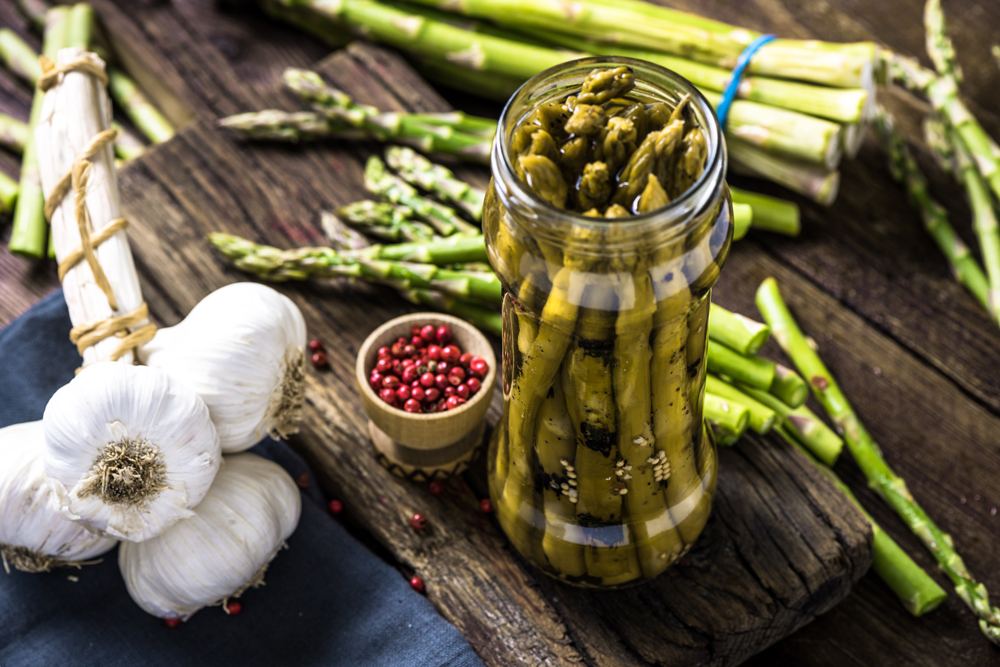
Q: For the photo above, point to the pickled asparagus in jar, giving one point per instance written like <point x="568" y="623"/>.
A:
<point x="608" y="222"/>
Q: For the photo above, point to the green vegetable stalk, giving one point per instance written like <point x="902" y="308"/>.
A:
<point x="869" y="458"/>
<point x="736" y="331"/>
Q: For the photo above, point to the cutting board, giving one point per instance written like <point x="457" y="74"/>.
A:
<point x="782" y="546"/>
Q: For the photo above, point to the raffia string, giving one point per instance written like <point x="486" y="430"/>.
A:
<point x="76" y="178"/>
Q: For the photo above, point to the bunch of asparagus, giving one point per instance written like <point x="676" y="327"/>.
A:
<point x="62" y="27"/>
<point x="805" y="104"/>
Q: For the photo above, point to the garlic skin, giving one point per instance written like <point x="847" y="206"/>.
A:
<point x="33" y="535"/>
<point x="128" y="451"/>
<point x="224" y="549"/>
<point x="242" y="349"/>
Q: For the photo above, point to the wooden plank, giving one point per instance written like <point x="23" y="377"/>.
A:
<point x="784" y="546"/>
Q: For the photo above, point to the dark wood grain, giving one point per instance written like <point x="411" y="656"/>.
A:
<point x="914" y="351"/>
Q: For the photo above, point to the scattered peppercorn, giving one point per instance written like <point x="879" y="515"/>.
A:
<point x="485" y="505"/>
<point x="316" y="345"/>
<point x="172" y="622"/>
<point x="436" y="487"/>
<point x="319" y="359"/>
<point x="417" y="584"/>
<point x="336" y="507"/>
<point x="418" y="522"/>
<point x="233" y="608"/>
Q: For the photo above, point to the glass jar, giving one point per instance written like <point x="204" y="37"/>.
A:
<point x="601" y="471"/>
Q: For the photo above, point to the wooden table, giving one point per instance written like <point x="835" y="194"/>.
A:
<point x="915" y="353"/>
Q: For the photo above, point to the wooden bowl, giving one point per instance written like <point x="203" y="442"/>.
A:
<point x="435" y="445"/>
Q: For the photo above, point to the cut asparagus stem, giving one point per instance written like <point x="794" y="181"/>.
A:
<point x="18" y="57"/>
<point x="783" y="133"/>
<point x="788" y="386"/>
<point x="380" y="181"/>
<point x="140" y="110"/>
<point x="770" y="214"/>
<point x="944" y="95"/>
<point x="811" y="181"/>
<point x="304" y="263"/>
<point x="8" y="193"/>
<point x="762" y="418"/>
<point x="736" y="331"/>
<point x="13" y="133"/>
<point x="342" y="237"/>
<point x="905" y="170"/>
<point x="29" y="229"/>
<point x="418" y="170"/>
<point x="742" y="219"/>
<point x="918" y="592"/>
<point x="752" y="370"/>
<point x="801" y="422"/>
<point x="389" y="222"/>
<point x="476" y="314"/>
<point x="81" y="26"/>
<point x="729" y="420"/>
<point x="869" y="458"/>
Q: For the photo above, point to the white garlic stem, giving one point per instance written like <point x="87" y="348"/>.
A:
<point x="74" y="111"/>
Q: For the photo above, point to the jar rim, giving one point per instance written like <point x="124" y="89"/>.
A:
<point x="714" y="166"/>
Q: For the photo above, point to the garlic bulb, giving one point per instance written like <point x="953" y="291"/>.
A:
<point x="242" y="348"/>
<point x="224" y="549"/>
<point x="128" y="450"/>
<point x="33" y="536"/>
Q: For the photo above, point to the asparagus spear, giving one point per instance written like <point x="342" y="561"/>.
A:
<point x="341" y="237"/>
<point x="801" y="422"/>
<point x="389" y="222"/>
<point x="276" y="125"/>
<point x="8" y="193"/>
<point x="443" y="252"/>
<point x="729" y="420"/>
<point x="944" y="95"/>
<point x="820" y="185"/>
<point x="485" y="318"/>
<point x="742" y="220"/>
<point x="788" y="386"/>
<point x="736" y="331"/>
<point x="762" y="418"/>
<point x="918" y="592"/>
<point x="18" y="57"/>
<point x="418" y="170"/>
<point x="410" y="31"/>
<point x="905" y="169"/>
<point x="138" y="107"/>
<point x="754" y="371"/>
<point x="29" y="230"/>
<point x="866" y="453"/>
<point x="303" y="263"/>
<point x="434" y="133"/>
<point x="770" y="214"/>
<point x="382" y="182"/>
<point x="13" y="133"/>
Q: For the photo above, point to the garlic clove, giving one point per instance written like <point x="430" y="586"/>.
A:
<point x="242" y="349"/>
<point x="128" y="451"/>
<point x="34" y="537"/>
<point x="224" y="549"/>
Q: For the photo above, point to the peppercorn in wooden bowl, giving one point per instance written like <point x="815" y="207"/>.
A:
<point x="426" y="445"/>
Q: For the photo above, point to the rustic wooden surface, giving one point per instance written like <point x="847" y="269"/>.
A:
<point x="913" y="350"/>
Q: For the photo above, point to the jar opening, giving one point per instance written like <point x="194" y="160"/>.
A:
<point x="651" y="81"/>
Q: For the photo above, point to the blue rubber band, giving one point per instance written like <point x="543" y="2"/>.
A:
<point x="733" y="87"/>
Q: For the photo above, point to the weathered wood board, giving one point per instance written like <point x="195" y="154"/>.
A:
<point x="915" y="352"/>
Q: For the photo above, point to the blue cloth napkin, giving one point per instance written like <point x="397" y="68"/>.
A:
<point x="328" y="600"/>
